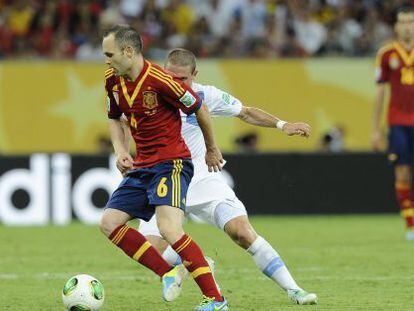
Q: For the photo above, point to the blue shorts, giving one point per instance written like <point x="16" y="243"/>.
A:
<point x="401" y="144"/>
<point x="143" y="189"/>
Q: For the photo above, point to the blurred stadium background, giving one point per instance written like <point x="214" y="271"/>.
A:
<point x="300" y="60"/>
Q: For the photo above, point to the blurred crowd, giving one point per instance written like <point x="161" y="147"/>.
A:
<point x="211" y="28"/>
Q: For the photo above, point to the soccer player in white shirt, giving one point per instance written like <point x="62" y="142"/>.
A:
<point x="209" y="198"/>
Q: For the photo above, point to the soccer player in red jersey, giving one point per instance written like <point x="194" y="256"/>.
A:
<point x="158" y="177"/>
<point x="395" y="67"/>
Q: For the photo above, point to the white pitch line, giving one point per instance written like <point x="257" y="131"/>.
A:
<point x="9" y="276"/>
<point x="63" y="275"/>
<point x="258" y="276"/>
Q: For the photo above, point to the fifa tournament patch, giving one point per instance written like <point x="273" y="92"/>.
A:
<point x="226" y="98"/>
<point x="188" y="99"/>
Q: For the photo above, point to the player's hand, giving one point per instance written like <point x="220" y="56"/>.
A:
<point x="214" y="159"/>
<point x="299" y="128"/>
<point x="124" y="162"/>
<point x="376" y="140"/>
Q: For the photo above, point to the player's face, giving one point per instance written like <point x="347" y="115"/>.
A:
<point x="183" y="73"/>
<point x="405" y="26"/>
<point x="115" y="57"/>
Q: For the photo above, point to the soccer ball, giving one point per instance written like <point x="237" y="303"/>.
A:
<point x="83" y="292"/>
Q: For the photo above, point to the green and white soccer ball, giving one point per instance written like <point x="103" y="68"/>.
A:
<point x="83" y="292"/>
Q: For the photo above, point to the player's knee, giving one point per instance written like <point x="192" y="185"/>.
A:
<point x="241" y="232"/>
<point x="170" y="233"/>
<point x="107" y="225"/>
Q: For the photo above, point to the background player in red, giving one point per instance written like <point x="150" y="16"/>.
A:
<point x="159" y="176"/>
<point x="395" y="67"/>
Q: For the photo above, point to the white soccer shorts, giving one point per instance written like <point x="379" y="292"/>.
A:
<point x="203" y="198"/>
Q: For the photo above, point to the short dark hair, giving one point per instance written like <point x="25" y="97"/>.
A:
<point x="182" y="57"/>
<point x="403" y="10"/>
<point x="125" y="35"/>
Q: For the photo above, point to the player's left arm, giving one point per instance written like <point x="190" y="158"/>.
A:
<point x="127" y="133"/>
<point x="259" y="117"/>
<point x="190" y="103"/>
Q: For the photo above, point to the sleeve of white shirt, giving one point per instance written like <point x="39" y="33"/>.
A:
<point x="220" y="103"/>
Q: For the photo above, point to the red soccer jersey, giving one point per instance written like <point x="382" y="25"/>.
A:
<point x="395" y="66"/>
<point x="151" y="104"/>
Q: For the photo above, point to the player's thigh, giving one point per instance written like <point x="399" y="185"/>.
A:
<point x="229" y="210"/>
<point x="400" y="145"/>
<point x="204" y="195"/>
<point x="131" y="198"/>
<point x="202" y="213"/>
<point x="217" y="213"/>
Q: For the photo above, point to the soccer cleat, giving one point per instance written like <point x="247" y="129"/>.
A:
<point x="211" y="263"/>
<point x="212" y="266"/>
<point x="409" y="236"/>
<point x="172" y="282"/>
<point x="301" y="297"/>
<point x="209" y="304"/>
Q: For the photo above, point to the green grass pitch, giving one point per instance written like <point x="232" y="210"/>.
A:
<point x="351" y="262"/>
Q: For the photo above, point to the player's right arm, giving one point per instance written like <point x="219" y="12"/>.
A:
<point x="382" y="72"/>
<point x="224" y="104"/>
<point x="124" y="160"/>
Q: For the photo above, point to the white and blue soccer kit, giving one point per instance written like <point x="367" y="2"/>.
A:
<point x="207" y="189"/>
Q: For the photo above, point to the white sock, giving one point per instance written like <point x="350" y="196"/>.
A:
<point x="270" y="263"/>
<point x="171" y="256"/>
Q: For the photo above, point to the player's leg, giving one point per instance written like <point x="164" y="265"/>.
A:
<point x="263" y="254"/>
<point x="205" y="190"/>
<point x="150" y="231"/>
<point x="169" y="221"/>
<point x="127" y="202"/>
<point x="168" y="195"/>
<point x="400" y="154"/>
<point x="404" y="196"/>
<point x="230" y="215"/>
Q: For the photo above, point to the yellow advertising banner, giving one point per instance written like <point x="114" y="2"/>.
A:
<point x="61" y="106"/>
<point x="49" y="107"/>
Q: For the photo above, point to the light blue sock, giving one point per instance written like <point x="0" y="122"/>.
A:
<point x="270" y="263"/>
<point x="171" y="256"/>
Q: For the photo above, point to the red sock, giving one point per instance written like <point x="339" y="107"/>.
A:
<point x="193" y="259"/>
<point x="136" y="246"/>
<point x="403" y="192"/>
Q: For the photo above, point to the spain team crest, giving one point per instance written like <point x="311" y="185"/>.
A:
<point x="149" y="99"/>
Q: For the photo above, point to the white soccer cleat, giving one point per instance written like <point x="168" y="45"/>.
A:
<point x="302" y="297"/>
<point x="409" y="236"/>
<point x="212" y="266"/>
<point x="172" y="282"/>
<point x="211" y="263"/>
